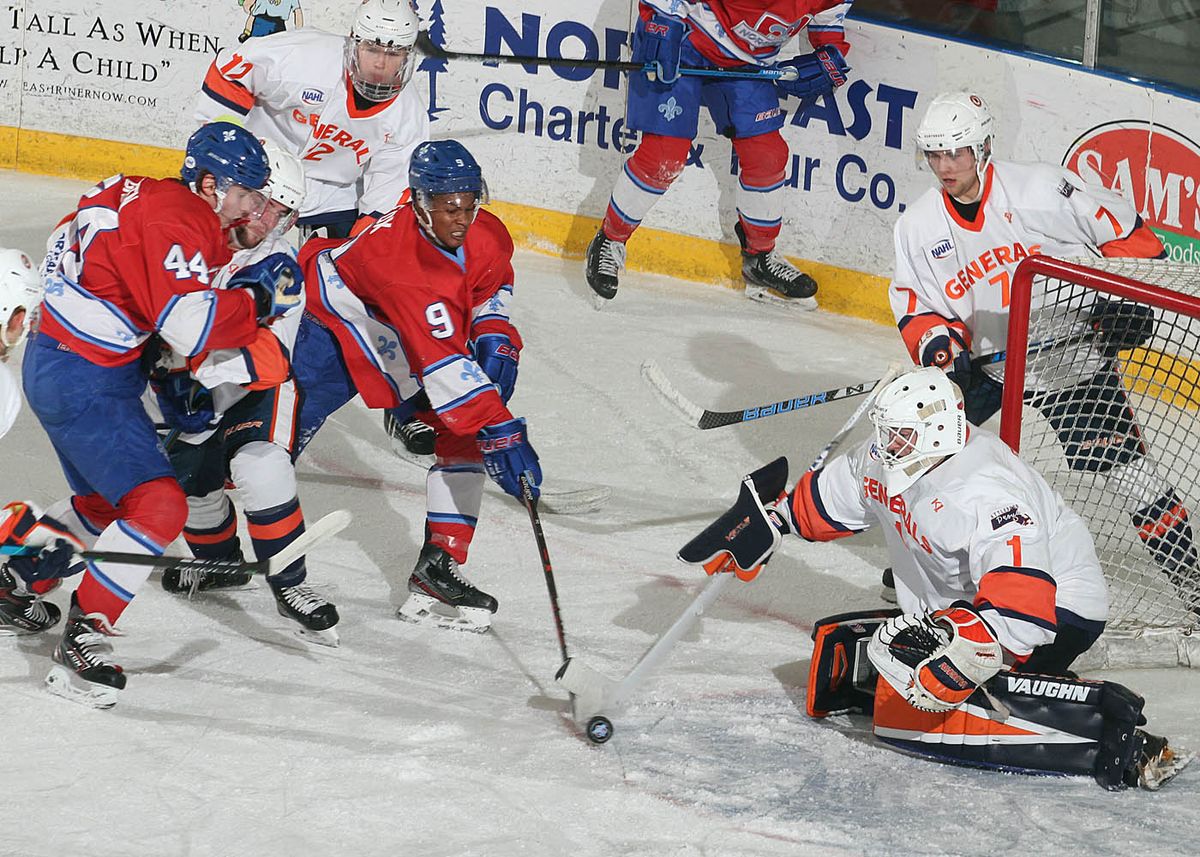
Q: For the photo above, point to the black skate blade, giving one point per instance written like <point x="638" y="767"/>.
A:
<point x="764" y="295"/>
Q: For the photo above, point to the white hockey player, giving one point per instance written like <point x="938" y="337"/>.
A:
<point x="233" y="414"/>
<point x="20" y="294"/>
<point x="343" y="105"/>
<point x="993" y="572"/>
<point x="957" y="248"/>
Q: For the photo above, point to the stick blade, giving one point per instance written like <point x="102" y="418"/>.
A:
<point x="325" y="528"/>
<point x="689" y="411"/>
<point x="590" y="690"/>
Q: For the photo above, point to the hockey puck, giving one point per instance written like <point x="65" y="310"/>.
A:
<point x="599" y="729"/>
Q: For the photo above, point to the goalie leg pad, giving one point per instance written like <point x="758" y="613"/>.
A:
<point x="1027" y="724"/>
<point x="745" y="536"/>
<point x="840" y="675"/>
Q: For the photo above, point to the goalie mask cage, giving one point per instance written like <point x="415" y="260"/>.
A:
<point x="1064" y="411"/>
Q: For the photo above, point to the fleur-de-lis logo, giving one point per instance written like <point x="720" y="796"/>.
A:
<point x="387" y="347"/>
<point x="472" y="372"/>
<point x="670" y="109"/>
<point x="495" y="304"/>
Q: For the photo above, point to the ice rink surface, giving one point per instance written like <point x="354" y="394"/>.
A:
<point x="235" y="738"/>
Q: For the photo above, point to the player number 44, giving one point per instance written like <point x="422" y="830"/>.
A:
<point x="184" y="268"/>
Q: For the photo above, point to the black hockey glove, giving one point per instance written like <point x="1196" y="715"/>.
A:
<point x="1120" y="325"/>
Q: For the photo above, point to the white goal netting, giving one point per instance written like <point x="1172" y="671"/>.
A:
<point x="1111" y="417"/>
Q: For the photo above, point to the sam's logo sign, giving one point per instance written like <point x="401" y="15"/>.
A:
<point x="1155" y="167"/>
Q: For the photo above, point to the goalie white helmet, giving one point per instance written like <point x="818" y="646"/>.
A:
<point x="20" y="291"/>
<point x="286" y="182"/>
<point x="955" y="120"/>
<point x="379" y="52"/>
<point x="919" y="419"/>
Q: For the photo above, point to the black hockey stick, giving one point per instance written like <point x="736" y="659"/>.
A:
<point x="426" y="46"/>
<point x="703" y="418"/>
<point x="326" y="527"/>
<point x="547" y="568"/>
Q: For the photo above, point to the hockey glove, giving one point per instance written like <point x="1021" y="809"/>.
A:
<point x="276" y="281"/>
<point x="818" y="73"/>
<point x="498" y="357"/>
<point x="946" y="348"/>
<point x="31" y="530"/>
<point x="660" y="44"/>
<point x="744" y="538"/>
<point x="507" y="454"/>
<point x="936" y="660"/>
<point x="1120" y="325"/>
<point x="185" y="404"/>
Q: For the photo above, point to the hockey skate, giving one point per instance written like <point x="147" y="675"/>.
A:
<point x="416" y="436"/>
<point x="82" y="673"/>
<point x="435" y="583"/>
<point x="315" y="616"/>
<point x="770" y="278"/>
<point x="22" y="612"/>
<point x="605" y="260"/>
<point x="1156" y="763"/>
<point x="192" y="581"/>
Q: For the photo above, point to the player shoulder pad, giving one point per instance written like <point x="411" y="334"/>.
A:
<point x="493" y="228"/>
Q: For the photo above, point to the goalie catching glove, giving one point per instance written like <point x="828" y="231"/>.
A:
<point x="936" y="660"/>
<point x="743" y="539"/>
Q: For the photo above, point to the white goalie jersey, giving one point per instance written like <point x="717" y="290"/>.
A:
<point x="291" y="88"/>
<point x="981" y="527"/>
<point x="951" y="271"/>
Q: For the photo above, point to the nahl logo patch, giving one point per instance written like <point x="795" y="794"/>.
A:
<point x="942" y="250"/>
<point x="312" y="96"/>
<point x="1010" y="515"/>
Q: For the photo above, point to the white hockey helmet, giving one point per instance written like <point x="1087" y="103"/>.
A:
<point x="955" y="120"/>
<point x="286" y="183"/>
<point x="20" y="289"/>
<point x="387" y="30"/>
<point x="919" y="419"/>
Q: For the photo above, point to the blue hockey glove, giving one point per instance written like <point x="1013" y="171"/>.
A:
<point x="185" y="405"/>
<point x="277" y="283"/>
<point x="660" y="43"/>
<point x="820" y="73"/>
<point x="498" y="357"/>
<point x="507" y="454"/>
<point x="51" y="563"/>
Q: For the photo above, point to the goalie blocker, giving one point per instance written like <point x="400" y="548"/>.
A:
<point x="1018" y="722"/>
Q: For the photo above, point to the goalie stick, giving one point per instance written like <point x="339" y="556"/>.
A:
<point x="426" y="46"/>
<point x="325" y="528"/>
<point x="596" y="696"/>
<point x="703" y="418"/>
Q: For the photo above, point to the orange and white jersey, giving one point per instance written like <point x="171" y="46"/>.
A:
<point x="950" y="271"/>
<point x="982" y="527"/>
<point x="292" y="89"/>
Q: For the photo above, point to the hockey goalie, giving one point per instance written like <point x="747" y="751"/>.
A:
<point x="999" y="590"/>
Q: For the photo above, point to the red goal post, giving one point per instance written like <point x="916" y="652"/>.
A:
<point x="1115" y="428"/>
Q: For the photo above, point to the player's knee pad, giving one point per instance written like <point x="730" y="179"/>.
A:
<point x="1136" y="482"/>
<point x="93" y="512"/>
<point x="158" y="509"/>
<point x="762" y="159"/>
<point x="659" y="160"/>
<point x="264" y="473"/>
<point x="841" y="676"/>
<point x="1026" y="723"/>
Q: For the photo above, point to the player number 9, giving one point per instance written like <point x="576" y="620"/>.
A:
<point x="440" y="323"/>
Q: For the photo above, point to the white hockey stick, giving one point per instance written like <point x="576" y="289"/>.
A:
<point x="313" y="534"/>
<point x="596" y="696"/>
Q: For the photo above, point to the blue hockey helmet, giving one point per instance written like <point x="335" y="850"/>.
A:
<point x="445" y="166"/>
<point x="230" y="153"/>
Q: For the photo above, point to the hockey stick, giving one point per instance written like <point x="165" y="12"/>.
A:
<point x="547" y="569"/>
<point x="426" y="46"/>
<point x="325" y="528"/>
<point x="596" y="695"/>
<point x="703" y="418"/>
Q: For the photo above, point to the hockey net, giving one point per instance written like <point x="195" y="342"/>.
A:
<point x="1102" y="397"/>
